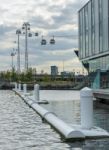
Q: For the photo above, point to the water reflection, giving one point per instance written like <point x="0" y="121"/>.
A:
<point x="21" y="128"/>
<point x="101" y="118"/>
<point x="69" y="111"/>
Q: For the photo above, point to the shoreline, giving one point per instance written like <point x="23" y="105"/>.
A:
<point x="47" y="87"/>
<point x="10" y="86"/>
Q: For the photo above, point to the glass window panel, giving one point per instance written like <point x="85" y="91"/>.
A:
<point x="93" y="31"/>
<point x="105" y="25"/>
<point x="83" y="34"/>
<point x="89" y="27"/>
<point x="96" y="27"/>
<point x="86" y="32"/>
<point x="93" y="27"/>
<point x="100" y="26"/>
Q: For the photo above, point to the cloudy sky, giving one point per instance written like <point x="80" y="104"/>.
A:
<point x="48" y="18"/>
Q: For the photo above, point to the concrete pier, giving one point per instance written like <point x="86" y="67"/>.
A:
<point x="36" y="92"/>
<point x="19" y="87"/>
<point x="86" y="101"/>
<point x="24" y="88"/>
<point x="70" y="132"/>
<point x="15" y="86"/>
<point x="102" y="95"/>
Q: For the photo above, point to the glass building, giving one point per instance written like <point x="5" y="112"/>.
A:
<point x="94" y="41"/>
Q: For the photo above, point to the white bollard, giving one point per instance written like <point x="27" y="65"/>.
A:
<point x="86" y="101"/>
<point x="25" y="88"/>
<point x="36" y="92"/>
<point x="15" y="86"/>
<point x="19" y="87"/>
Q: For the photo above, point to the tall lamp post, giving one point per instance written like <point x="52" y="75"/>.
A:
<point x="18" y="32"/>
<point x="12" y="55"/>
<point x="26" y="28"/>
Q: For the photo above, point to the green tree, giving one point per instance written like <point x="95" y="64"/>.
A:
<point x="29" y="75"/>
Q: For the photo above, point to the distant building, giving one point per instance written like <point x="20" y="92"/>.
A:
<point x="94" y="41"/>
<point x="54" y="70"/>
<point x="67" y="74"/>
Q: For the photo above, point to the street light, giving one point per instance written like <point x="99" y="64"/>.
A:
<point x="18" y="32"/>
<point x="26" y="28"/>
<point x="12" y="55"/>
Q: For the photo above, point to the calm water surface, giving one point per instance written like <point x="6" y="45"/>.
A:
<point x="22" y="129"/>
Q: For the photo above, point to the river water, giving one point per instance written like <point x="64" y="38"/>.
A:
<point x="22" y="129"/>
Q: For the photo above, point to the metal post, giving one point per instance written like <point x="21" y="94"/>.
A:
<point x="15" y="86"/>
<point x="18" y="32"/>
<point x="26" y="50"/>
<point x="25" y="88"/>
<point x="19" y="87"/>
<point x="12" y="61"/>
<point x="86" y="100"/>
<point x="26" y="27"/>
<point x="12" y="55"/>
<point x="36" y="92"/>
<point x="18" y="57"/>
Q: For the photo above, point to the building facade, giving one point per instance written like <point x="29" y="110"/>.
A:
<point x="94" y="41"/>
<point x="54" y="71"/>
<point x="67" y="74"/>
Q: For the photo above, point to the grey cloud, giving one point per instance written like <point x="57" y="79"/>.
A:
<point x="39" y="22"/>
<point x="61" y="44"/>
<point x="4" y="29"/>
<point x="60" y="16"/>
<point x="45" y="57"/>
<point x="5" y="52"/>
<point x="65" y="33"/>
<point x="68" y="14"/>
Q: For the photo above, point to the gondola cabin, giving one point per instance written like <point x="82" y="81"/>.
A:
<point x="52" y="41"/>
<point x="36" y="34"/>
<point x="43" y="42"/>
<point x="23" y="28"/>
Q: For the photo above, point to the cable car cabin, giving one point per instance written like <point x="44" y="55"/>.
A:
<point x="18" y="31"/>
<point x="36" y="34"/>
<point x="29" y="34"/>
<point x="52" y="41"/>
<point x="23" y="28"/>
<point x="28" y="28"/>
<point x="43" y="42"/>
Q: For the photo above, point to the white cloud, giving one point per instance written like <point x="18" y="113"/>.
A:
<point x="48" y="17"/>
